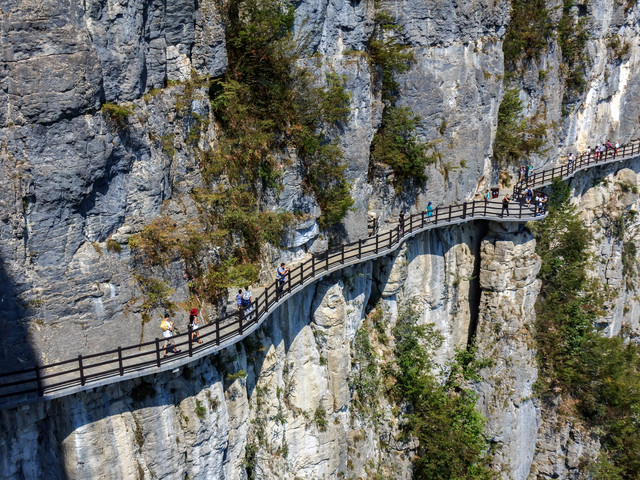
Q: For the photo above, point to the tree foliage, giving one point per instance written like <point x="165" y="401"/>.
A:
<point x="268" y="106"/>
<point x="442" y="416"/>
<point x="529" y="32"/>
<point x="601" y="375"/>
<point x="396" y="142"/>
<point x="516" y="138"/>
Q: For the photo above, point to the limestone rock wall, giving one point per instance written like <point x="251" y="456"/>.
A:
<point x="279" y="402"/>
<point x="71" y="178"/>
<point x="509" y="266"/>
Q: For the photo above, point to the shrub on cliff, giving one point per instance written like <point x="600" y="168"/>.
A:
<point x="267" y="105"/>
<point x="516" y="137"/>
<point x="442" y="416"/>
<point x="396" y="142"/>
<point x="599" y="375"/>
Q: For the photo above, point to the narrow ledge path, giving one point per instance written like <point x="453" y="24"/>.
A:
<point x="87" y="372"/>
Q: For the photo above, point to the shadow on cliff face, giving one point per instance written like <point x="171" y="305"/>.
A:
<point x="17" y="352"/>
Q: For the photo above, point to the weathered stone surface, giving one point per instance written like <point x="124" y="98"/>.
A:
<point x="508" y="270"/>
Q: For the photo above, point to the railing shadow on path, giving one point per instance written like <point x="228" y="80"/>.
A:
<point x="90" y="371"/>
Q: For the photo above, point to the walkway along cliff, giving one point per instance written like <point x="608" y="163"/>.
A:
<point x="86" y="372"/>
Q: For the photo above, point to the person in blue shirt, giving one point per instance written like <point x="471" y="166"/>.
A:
<point x="429" y="209"/>
<point x="239" y="303"/>
<point x="282" y="278"/>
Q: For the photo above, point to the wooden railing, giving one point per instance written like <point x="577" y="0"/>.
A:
<point x="581" y="162"/>
<point x="88" y="371"/>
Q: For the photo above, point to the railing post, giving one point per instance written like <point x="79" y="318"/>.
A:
<point x="39" y="381"/>
<point x="359" y="249"/>
<point x="157" y="351"/>
<point x="326" y="260"/>
<point x="390" y="237"/>
<point x="423" y="217"/>
<point x="485" y="208"/>
<point x="520" y="215"/>
<point x="377" y="242"/>
<point x="218" y="326"/>
<point x="240" y="316"/>
<point x="313" y="266"/>
<point x="190" y="341"/>
<point x="342" y="254"/>
<point x="289" y="280"/>
<point x="120" y="361"/>
<point x="464" y="210"/>
<point x="473" y="208"/>
<point x="450" y="207"/>
<point x="82" y="379"/>
<point x="435" y="216"/>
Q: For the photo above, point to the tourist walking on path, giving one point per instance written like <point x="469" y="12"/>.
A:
<point x="615" y="154"/>
<point x="401" y="221"/>
<point x="528" y="196"/>
<point x="505" y="205"/>
<point x="282" y="278"/>
<point x="239" y="303"/>
<point x="523" y="171"/>
<point x="167" y="332"/>
<point x="194" y="323"/>
<point x="529" y="172"/>
<point x="247" y="301"/>
<point x="429" y="210"/>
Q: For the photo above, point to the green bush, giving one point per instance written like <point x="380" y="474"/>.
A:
<point x="118" y="114"/>
<point x="600" y="375"/>
<point x="156" y="294"/>
<point x="267" y="104"/>
<point x="529" y="32"/>
<point x="396" y="144"/>
<point x="200" y="410"/>
<point x="516" y="138"/>
<point x="443" y="417"/>
<point x="572" y="39"/>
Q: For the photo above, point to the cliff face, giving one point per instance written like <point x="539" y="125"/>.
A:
<point x="279" y="402"/>
<point x="72" y="176"/>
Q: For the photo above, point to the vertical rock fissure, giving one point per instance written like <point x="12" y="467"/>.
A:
<point x="474" y="283"/>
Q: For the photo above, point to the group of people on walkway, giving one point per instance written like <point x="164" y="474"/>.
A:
<point x="168" y="330"/>
<point x="525" y="172"/>
<point x="600" y="150"/>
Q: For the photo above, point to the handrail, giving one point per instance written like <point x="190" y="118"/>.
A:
<point x="581" y="162"/>
<point x="80" y="373"/>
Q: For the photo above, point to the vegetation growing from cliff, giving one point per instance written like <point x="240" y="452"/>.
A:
<point x="118" y="114"/>
<point x="532" y="29"/>
<point x="267" y="106"/>
<point x="516" y="137"/>
<point x="443" y="416"/>
<point x="396" y="143"/>
<point x="439" y="412"/>
<point x="599" y="375"/>
<point x="268" y="110"/>
<point x="528" y="33"/>
<point x="572" y="39"/>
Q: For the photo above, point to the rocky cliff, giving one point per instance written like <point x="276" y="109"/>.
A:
<point x="105" y="125"/>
